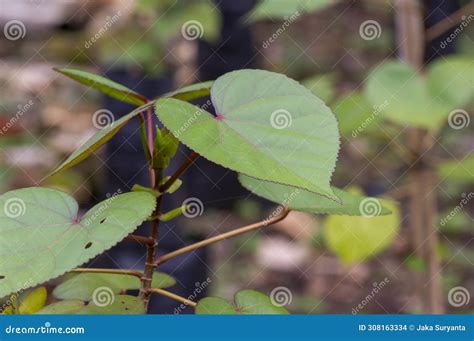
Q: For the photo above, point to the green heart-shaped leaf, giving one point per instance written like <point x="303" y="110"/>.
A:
<point x="355" y="239"/>
<point x="273" y="129"/>
<point x="407" y="96"/>
<point x="105" y="85"/>
<point x="300" y="200"/>
<point x="451" y="80"/>
<point x="62" y="307"/>
<point x="42" y="237"/>
<point x="82" y="286"/>
<point x="114" y="304"/>
<point x="96" y="141"/>
<point x="246" y="301"/>
<point x="282" y="9"/>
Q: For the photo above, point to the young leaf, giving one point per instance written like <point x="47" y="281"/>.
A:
<point x="300" y="200"/>
<point x="96" y="141"/>
<point x="191" y="92"/>
<point x="42" y="237"/>
<point x="407" y="96"/>
<point x="246" y="302"/>
<point x="34" y="301"/>
<point x="355" y="239"/>
<point x="82" y="286"/>
<point x="116" y="304"/>
<point x="451" y="80"/>
<point x="274" y="129"/>
<point x="281" y="9"/>
<point x="105" y="86"/>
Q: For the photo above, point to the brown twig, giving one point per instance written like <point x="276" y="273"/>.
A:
<point x="447" y="23"/>
<point x="172" y="296"/>
<point x="223" y="236"/>
<point x="189" y="160"/>
<point x="137" y="274"/>
<point x="140" y="239"/>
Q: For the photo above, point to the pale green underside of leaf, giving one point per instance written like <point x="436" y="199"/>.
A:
<point x="95" y="142"/>
<point x="246" y="302"/>
<point x="82" y="286"/>
<point x="355" y="239"/>
<point x="461" y="171"/>
<point x="300" y="200"/>
<point x="48" y="239"/>
<point x="191" y="92"/>
<point x="407" y="95"/>
<point x="122" y="304"/>
<point x="282" y="9"/>
<point x="451" y="80"/>
<point x="356" y="116"/>
<point x="105" y="86"/>
<point x="247" y="138"/>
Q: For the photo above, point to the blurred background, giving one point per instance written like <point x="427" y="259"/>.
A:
<point x="318" y="264"/>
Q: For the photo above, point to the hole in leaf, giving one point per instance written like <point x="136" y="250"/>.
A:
<point x="88" y="245"/>
<point x="126" y="308"/>
<point x="2" y="277"/>
<point x="102" y="221"/>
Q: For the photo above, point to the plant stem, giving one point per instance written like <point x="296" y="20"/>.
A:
<point x="189" y="160"/>
<point x="441" y="27"/>
<point x="172" y="296"/>
<point x="137" y="274"/>
<point x="223" y="236"/>
<point x="140" y="239"/>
